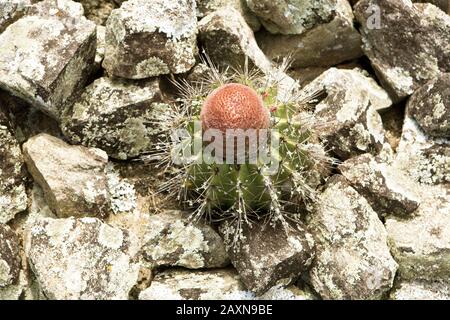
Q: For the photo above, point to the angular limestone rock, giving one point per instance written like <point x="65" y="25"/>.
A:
<point x="116" y="116"/>
<point x="46" y="56"/>
<point x="407" y="44"/>
<point x="430" y="106"/>
<point x="387" y="190"/>
<point x="346" y="115"/>
<point x="172" y="240"/>
<point x="421" y="290"/>
<point x="11" y="10"/>
<point x="9" y="256"/>
<point x="421" y="244"/>
<point x="353" y="259"/>
<point x="73" y="177"/>
<point x="266" y="256"/>
<point x="324" y="42"/>
<point x="13" y="198"/>
<point x="82" y="259"/>
<point x="150" y="38"/>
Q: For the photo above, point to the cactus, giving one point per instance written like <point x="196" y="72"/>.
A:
<point x="244" y="192"/>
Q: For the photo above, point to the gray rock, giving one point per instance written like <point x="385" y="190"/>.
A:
<point x="205" y="7"/>
<point x="73" y="177"/>
<point x="13" y="198"/>
<point x="46" y="56"/>
<point x="421" y="244"/>
<point x="346" y="115"/>
<point x="421" y="290"/>
<point x="407" y="44"/>
<point x="324" y="44"/>
<point x="82" y="259"/>
<point x="430" y="106"/>
<point x="146" y="39"/>
<point x="172" y="240"/>
<point x="101" y="43"/>
<point x="9" y="256"/>
<point x="98" y="10"/>
<point x="268" y="255"/>
<point x="387" y="190"/>
<point x="292" y="16"/>
<point x="116" y="116"/>
<point x="353" y="259"/>
<point x="11" y="10"/>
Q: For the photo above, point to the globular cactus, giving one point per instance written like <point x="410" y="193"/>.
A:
<point x="247" y="191"/>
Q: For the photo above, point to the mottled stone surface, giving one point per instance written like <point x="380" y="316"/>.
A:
<point x="421" y="244"/>
<point x="172" y="240"/>
<point x="11" y="10"/>
<point x="407" y="44"/>
<point x="266" y="256"/>
<point x="205" y="7"/>
<point x="346" y="115"/>
<point x="292" y="16"/>
<point x="117" y="116"/>
<point x="82" y="259"/>
<point x="430" y="106"/>
<point x="98" y="10"/>
<point x="73" y="177"/>
<point x="353" y="259"/>
<point x="146" y="39"/>
<point x="46" y="56"/>
<point x="13" y="198"/>
<point x="421" y="290"/>
<point x="9" y="256"/>
<point x="325" y="44"/>
<point x="387" y="190"/>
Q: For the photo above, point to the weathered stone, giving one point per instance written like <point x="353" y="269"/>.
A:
<point x="116" y="116"/>
<point x="172" y="240"/>
<point x="386" y="189"/>
<point x="11" y="10"/>
<point x="205" y="7"/>
<point x="13" y="198"/>
<point x="146" y="39"/>
<point x="423" y="158"/>
<point x="266" y="255"/>
<point x="421" y="290"/>
<point x="407" y="44"/>
<point x="9" y="256"/>
<point x="292" y="16"/>
<point x="98" y="10"/>
<point x="421" y="244"/>
<point x="72" y="177"/>
<point x="430" y="106"/>
<point x="101" y="43"/>
<point x="46" y="56"/>
<point x="444" y="5"/>
<point x="353" y="259"/>
<point x="325" y="44"/>
<point x="346" y="115"/>
<point x="82" y="259"/>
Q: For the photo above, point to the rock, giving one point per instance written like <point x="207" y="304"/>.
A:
<point x="266" y="256"/>
<point x="322" y="45"/>
<point x="146" y="39"/>
<point x="292" y="16"/>
<point x="82" y="259"/>
<point x="387" y="190"/>
<point x="73" y="177"/>
<point x="46" y="56"/>
<point x="98" y="10"/>
<point x="346" y="114"/>
<point x="13" y="197"/>
<point x="423" y="158"/>
<point x="430" y="106"/>
<point x="420" y="290"/>
<point x="9" y="256"/>
<point x="172" y="240"/>
<point x="196" y="285"/>
<point x="101" y="43"/>
<point x="353" y="259"/>
<point x="205" y="7"/>
<point x="117" y="116"/>
<point x="11" y="10"/>
<point x="421" y="244"/>
<point x="407" y="44"/>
